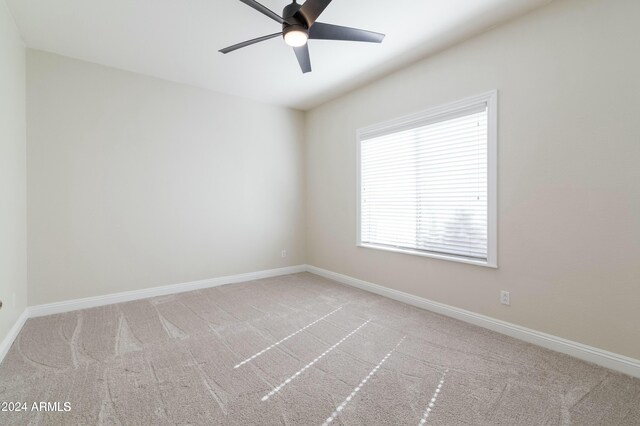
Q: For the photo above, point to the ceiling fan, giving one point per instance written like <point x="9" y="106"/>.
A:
<point x="299" y="25"/>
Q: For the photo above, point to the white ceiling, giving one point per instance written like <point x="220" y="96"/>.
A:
<point x="178" y="40"/>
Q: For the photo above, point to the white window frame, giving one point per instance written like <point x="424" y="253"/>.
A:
<point x="429" y="115"/>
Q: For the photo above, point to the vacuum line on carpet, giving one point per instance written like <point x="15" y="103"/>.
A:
<point x="286" y="382"/>
<point x="344" y="403"/>
<point x="432" y="402"/>
<point x="285" y="339"/>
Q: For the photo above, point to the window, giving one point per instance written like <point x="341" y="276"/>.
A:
<point x="427" y="183"/>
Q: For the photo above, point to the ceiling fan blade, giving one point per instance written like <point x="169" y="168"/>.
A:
<point x="248" y="43"/>
<point x="311" y="9"/>
<point x="302" y="53"/>
<point x="322" y="31"/>
<point x="264" y="10"/>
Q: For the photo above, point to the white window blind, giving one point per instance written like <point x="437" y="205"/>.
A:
<point x="424" y="185"/>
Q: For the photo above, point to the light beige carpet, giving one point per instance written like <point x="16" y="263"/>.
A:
<point x="296" y="350"/>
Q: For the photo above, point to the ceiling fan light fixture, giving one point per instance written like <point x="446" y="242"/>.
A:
<point x="296" y="38"/>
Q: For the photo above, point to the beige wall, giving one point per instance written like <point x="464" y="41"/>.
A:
<point x="13" y="178"/>
<point x="568" y="77"/>
<point x="136" y="182"/>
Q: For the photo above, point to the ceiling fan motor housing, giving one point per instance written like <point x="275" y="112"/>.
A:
<point x="294" y="21"/>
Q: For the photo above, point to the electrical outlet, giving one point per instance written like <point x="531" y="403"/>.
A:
<point x="284" y="253"/>
<point x="505" y="298"/>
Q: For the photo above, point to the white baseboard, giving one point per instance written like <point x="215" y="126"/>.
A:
<point x="597" y="356"/>
<point x="127" y="296"/>
<point x="601" y="357"/>
<point x="6" y="343"/>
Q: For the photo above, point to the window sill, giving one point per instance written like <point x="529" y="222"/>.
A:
<point x="484" y="263"/>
